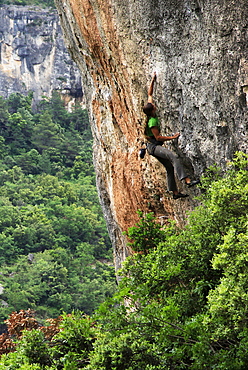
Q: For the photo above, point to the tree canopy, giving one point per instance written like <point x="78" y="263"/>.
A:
<point x="182" y="298"/>
<point x="55" y="250"/>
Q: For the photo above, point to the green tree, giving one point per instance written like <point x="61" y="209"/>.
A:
<point x="185" y="301"/>
<point x="79" y="121"/>
<point x="34" y="348"/>
<point x="29" y="162"/>
<point x="4" y="116"/>
<point x="46" y="133"/>
<point x="3" y="150"/>
<point x="60" y="116"/>
<point x="17" y="101"/>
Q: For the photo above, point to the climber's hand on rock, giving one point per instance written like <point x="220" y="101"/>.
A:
<point x="176" y="135"/>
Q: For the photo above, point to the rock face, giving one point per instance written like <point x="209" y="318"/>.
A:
<point x="33" y="55"/>
<point x="199" y="50"/>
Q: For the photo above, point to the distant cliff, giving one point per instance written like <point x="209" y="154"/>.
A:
<point x="33" y="55"/>
<point x="199" y="49"/>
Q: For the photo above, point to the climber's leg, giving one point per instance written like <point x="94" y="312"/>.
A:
<point x="162" y="152"/>
<point x="171" y="182"/>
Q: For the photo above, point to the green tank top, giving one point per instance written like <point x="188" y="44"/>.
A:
<point x="153" y="122"/>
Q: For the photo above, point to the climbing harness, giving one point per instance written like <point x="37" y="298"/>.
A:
<point x="150" y="147"/>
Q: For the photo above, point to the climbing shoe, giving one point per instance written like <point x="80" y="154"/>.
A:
<point x="142" y="153"/>
<point x="179" y="195"/>
<point x="193" y="183"/>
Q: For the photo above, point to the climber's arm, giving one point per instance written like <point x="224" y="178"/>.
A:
<point x="150" y="90"/>
<point x="159" y="137"/>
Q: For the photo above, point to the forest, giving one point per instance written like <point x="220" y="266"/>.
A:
<point x="182" y="300"/>
<point x="55" y="251"/>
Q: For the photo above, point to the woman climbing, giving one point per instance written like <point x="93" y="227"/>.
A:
<point x="155" y="148"/>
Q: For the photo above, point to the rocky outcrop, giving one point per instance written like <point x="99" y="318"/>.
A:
<point x="199" y="49"/>
<point x="33" y="55"/>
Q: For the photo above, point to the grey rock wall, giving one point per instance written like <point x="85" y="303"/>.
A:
<point x="199" y="50"/>
<point x="33" y="55"/>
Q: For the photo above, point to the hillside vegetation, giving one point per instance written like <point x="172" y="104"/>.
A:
<point x="182" y="301"/>
<point x="55" y="251"/>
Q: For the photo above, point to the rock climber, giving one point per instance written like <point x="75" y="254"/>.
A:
<point x="163" y="155"/>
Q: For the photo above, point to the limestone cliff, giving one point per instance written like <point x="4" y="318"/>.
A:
<point x="33" y="55"/>
<point x="199" y="50"/>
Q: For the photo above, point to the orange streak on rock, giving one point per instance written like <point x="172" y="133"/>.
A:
<point x="117" y="118"/>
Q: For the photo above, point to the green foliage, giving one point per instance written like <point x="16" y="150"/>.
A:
<point x="55" y="281"/>
<point x="46" y="134"/>
<point x="52" y="231"/>
<point x="184" y="304"/>
<point x="74" y="341"/>
<point x="4" y="114"/>
<point x="17" y="101"/>
<point x="33" y="347"/>
<point x="48" y="141"/>
<point x="182" y="298"/>
<point x="146" y="235"/>
<point x="124" y="352"/>
<point x="65" y="343"/>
